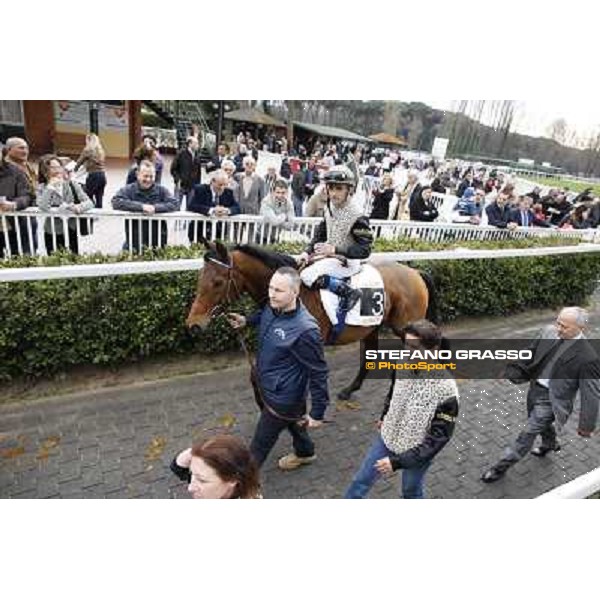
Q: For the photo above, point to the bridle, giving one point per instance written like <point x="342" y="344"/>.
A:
<point x="218" y="309"/>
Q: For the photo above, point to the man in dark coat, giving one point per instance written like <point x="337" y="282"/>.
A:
<point x="499" y="214"/>
<point x="147" y="197"/>
<point x="298" y="191"/>
<point x="290" y="364"/>
<point x="523" y="216"/>
<point x="422" y="209"/>
<point x="217" y="161"/>
<point x="15" y="194"/>
<point x="563" y="363"/>
<point x="185" y="169"/>
<point x="212" y="199"/>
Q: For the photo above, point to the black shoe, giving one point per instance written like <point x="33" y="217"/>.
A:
<point x="492" y="475"/>
<point x="542" y="451"/>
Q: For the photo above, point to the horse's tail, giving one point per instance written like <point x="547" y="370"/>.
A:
<point x="432" y="306"/>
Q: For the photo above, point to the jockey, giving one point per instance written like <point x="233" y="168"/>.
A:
<point x="344" y="232"/>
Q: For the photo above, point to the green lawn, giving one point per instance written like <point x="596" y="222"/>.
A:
<point x="574" y="186"/>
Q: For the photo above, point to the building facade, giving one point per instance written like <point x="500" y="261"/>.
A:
<point x="60" y="126"/>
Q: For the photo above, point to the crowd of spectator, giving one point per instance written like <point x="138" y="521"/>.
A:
<point x="397" y="186"/>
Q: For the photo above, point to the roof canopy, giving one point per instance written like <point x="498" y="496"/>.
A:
<point x="253" y="115"/>
<point x="331" y="132"/>
<point x="386" y="138"/>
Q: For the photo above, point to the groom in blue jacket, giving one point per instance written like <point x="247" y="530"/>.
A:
<point x="290" y="362"/>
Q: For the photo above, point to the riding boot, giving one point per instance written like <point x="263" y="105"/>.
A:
<point x="348" y="296"/>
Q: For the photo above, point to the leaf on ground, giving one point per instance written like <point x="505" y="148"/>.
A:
<point x="348" y="405"/>
<point x="155" y="448"/>
<point x="227" y="421"/>
<point x="47" y="445"/>
<point x="51" y="442"/>
<point x="12" y="452"/>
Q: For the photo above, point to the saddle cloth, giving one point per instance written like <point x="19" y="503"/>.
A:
<point x="369" y="311"/>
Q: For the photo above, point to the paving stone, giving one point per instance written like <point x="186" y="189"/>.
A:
<point x="69" y="471"/>
<point x="120" y="493"/>
<point x="104" y="439"/>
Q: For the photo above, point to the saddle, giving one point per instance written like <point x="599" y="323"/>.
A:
<point x="369" y="311"/>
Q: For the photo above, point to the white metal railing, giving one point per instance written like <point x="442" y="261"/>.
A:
<point x="194" y="264"/>
<point x="445" y="204"/>
<point x="582" y="487"/>
<point x="26" y="232"/>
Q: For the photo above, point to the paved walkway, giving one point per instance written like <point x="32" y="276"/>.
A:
<point x="118" y="443"/>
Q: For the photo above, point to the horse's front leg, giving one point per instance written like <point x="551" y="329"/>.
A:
<point x="371" y="343"/>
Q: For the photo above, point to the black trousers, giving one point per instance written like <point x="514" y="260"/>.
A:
<point x="267" y="433"/>
<point x="195" y="231"/>
<point x="540" y="419"/>
<point x="145" y="234"/>
<point x="95" y="183"/>
<point x="61" y="242"/>
<point x="10" y="241"/>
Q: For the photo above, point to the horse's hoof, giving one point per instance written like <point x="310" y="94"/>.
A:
<point x="344" y="395"/>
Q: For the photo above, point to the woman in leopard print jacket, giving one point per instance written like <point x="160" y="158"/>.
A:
<point x="417" y="422"/>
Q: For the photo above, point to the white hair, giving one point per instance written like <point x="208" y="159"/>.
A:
<point x="227" y="163"/>
<point x="219" y="174"/>
<point x="580" y="315"/>
<point x="11" y="142"/>
<point x="248" y="160"/>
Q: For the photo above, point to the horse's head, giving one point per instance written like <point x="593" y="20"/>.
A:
<point x="215" y="285"/>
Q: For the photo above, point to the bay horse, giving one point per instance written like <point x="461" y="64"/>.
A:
<point x="409" y="294"/>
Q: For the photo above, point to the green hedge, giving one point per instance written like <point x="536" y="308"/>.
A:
<point x="51" y="326"/>
<point x="502" y="286"/>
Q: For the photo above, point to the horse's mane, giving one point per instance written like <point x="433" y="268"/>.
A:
<point x="272" y="260"/>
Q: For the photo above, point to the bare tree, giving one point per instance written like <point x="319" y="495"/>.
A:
<point x="592" y="152"/>
<point x="391" y="116"/>
<point x="294" y="109"/>
<point x="558" y="131"/>
<point x="507" y="115"/>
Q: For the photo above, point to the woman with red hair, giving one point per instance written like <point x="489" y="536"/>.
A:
<point x="219" y="468"/>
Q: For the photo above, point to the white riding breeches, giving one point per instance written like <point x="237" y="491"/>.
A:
<point x="329" y="266"/>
